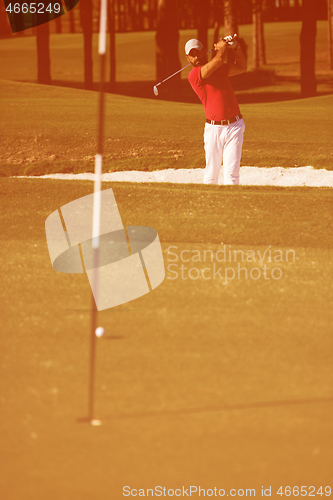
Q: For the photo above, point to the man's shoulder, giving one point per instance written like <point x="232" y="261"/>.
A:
<point x="194" y="76"/>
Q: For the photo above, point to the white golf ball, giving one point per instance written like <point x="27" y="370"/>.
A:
<point x="99" y="331"/>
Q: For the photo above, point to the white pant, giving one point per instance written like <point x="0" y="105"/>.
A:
<point x="223" y="142"/>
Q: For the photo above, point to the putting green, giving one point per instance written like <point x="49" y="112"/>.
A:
<point x="200" y="382"/>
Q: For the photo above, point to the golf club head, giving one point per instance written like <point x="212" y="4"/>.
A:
<point x="155" y="90"/>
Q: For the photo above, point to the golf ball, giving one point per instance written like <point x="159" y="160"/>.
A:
<point x="99" y="331"/>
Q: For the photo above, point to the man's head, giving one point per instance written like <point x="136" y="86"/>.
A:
<point x="195" y="53"/>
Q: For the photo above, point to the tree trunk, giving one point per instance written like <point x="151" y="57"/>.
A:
<point x="202" y="17"/>
<point x="71" y="21"/>
<point x="151" y="14"/>
<point x="308" y="48"/>
<point x="43" y="53"/>
<point x="98" y="14"/>
<point x="230" y="17"/>
<point x="111" y="26"/>
<point x="255" y="35"/>
<point x="258" y="40"/>
<point x="218" y="17"/>
<point x="86" y="11"/>
<point x="216" y="33"/>
<point x="58" y="24"/>
<point x="121" y="16"/>
<point x="127" y="14"/>
<point x="231" y="26"/>
<point x="140" y="16"/>
<point x="167" y="37"/>
<point x="262" y="45"/>
<point x="330" y="32"/>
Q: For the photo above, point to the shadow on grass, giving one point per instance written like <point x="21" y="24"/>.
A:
<point x="213" y="409"/>
<point x="255" y="88"/>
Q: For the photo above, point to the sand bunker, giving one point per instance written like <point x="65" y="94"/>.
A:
<point x="249" y="176"/>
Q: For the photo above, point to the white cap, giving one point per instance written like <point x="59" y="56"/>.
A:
<point x="192" y="44"/>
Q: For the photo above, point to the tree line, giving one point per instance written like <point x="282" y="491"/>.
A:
<point x="166" y="17"/>
<point x="140" y="15"/>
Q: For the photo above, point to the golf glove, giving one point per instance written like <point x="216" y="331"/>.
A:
<point x="232" y="41"/>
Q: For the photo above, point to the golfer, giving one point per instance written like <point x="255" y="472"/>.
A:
<point x="224" y="128"/>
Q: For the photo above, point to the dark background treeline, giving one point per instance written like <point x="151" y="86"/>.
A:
<point x="167" y="17"/>
<point x="141" y="15"/>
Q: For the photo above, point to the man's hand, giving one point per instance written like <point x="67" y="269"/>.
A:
<point x="232" y="41"/>
<point x="219" y="45"/>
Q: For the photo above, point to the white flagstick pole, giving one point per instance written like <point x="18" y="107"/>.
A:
<point x="97" y="208"/>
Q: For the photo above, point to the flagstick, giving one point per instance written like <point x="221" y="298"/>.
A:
<point x="97" y="211"/>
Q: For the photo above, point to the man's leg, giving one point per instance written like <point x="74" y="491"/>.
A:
<point x="213" y="151"/>
<point x="232" y="152"/>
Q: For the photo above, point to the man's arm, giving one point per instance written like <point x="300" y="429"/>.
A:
<point x="240" y="65"/>
<point x="217" y="61"/>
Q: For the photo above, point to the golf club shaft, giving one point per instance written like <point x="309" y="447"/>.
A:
<point x="187" y="65"/>
<point x="173" y="75"/>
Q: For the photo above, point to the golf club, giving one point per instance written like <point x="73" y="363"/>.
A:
<point x="187" y="65"/>
<point x="155" y="89"/>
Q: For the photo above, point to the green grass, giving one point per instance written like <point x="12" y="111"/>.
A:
<point x="216" y="382"/>
<point x="197" y="383"/>
<point x="52" y="129"/>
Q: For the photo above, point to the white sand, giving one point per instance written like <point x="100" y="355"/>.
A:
<point x="249" y="176"/>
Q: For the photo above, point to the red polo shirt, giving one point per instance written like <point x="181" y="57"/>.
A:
<point x="215" y="93"/>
